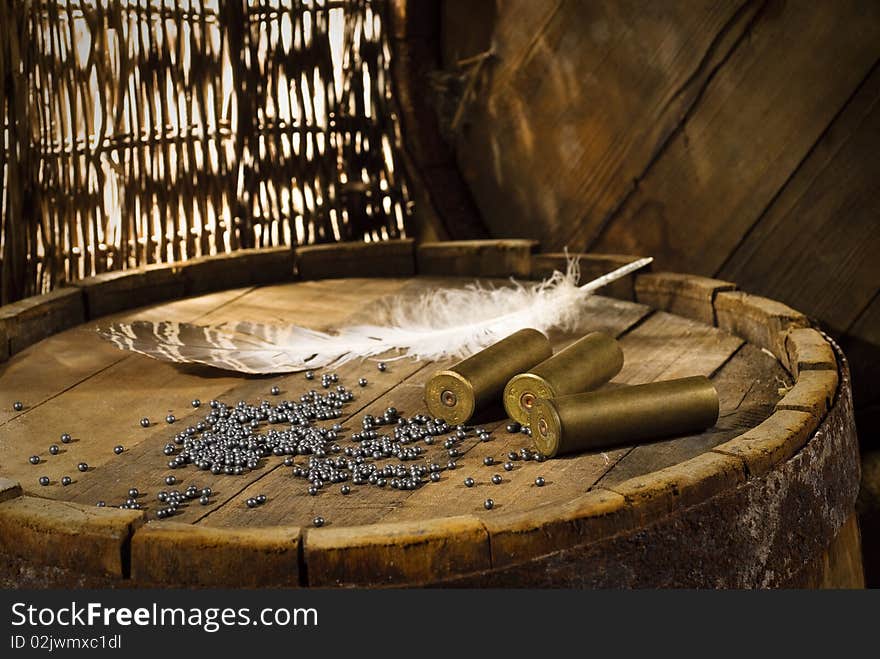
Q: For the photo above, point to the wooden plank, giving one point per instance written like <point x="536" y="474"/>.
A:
<point x="389" y="258"/>
<point x="759" y="320"/>
<point x="686" y="295"/>
<point x="808" y="350"/>
<point x="243" y="267"/>
<point x="767" y="445"/>
<point x="748" y="389"/>
<point x="41" y="372"/>
<point x="756" y="121"/>
<point x="112" y="292"/>
<point x="578" y="99"/>
<point x="476" y="258"/>
<point x="67" y="535"/>
<point x="28" y="321"/>
<point x="164" y="553"/>
<point x="591" y="266"/>
<point x="367" y="504"/>
<point x="815" y="247"/>
<point x="659" y="492"/>
<point x="396" y="554"/>
<point x="813" y="392"/>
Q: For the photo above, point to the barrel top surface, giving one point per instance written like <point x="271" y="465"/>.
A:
<point x="73" y="382"/>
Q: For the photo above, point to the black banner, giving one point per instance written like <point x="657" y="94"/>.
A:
<point x="379" y="622"/>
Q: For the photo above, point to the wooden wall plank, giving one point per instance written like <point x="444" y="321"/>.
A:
<point x="816" y="246"/>
<point x="578" y="99"/>
<point x="756" y="121"/>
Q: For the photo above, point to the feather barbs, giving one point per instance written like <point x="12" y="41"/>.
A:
<point x="429" y="326"/>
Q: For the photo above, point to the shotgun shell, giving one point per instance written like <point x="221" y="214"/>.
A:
<point x="455" y="394"/>
<point x="625" y="416"/>
<point x="586" y="364"/>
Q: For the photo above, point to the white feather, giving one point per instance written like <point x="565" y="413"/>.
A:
<point x="430" y="326"/>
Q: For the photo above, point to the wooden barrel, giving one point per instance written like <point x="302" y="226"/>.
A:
<point x="764" y="499"/>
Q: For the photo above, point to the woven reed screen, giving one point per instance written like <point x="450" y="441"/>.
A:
<point x="147" y="131"/>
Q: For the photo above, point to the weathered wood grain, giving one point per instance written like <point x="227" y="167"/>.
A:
<point x="816" y="245"/>
<point x="244" y="267"/>
<point x="111" y="292"/>
<point x="388" y="554"/>
<point x="772" y="442"/>
<point x="55" y="364"/>
<point x="686" y="295"/>
<point x="759" y="320"/>
<point x="577" y="101"/>
<point x="170" y="552"/>
<point x="67" y="535"/>
<point x="28" y="321"/>
<point x="391" y="258"/>
<point x="476" y="258"/>
<point x="756" y="121"/>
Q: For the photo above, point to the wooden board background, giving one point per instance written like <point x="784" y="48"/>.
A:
<point x="730" y="138"/>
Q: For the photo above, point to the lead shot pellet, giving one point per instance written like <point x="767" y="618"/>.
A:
<point x="54" y="449"/>
<point x="382" y="366"/>
<point x="497" y="479"/>
<point x="65" y="438"/>
<point x="82" y="466"/>
<point x="145" y="423"/>
<point x="489" y="504"/>
<point x="539" y="481"/>
<point x="18" y="406"/>
<point x="318" y="521"/>
<point x="66" y="480"/>
<point x="118" y="449"/>
<point x="44" y="480"/>
<point x="34" y="459"/>
<point x="468" y="482"/>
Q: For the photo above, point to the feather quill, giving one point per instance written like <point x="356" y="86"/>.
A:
<point x="429" y="327"/>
